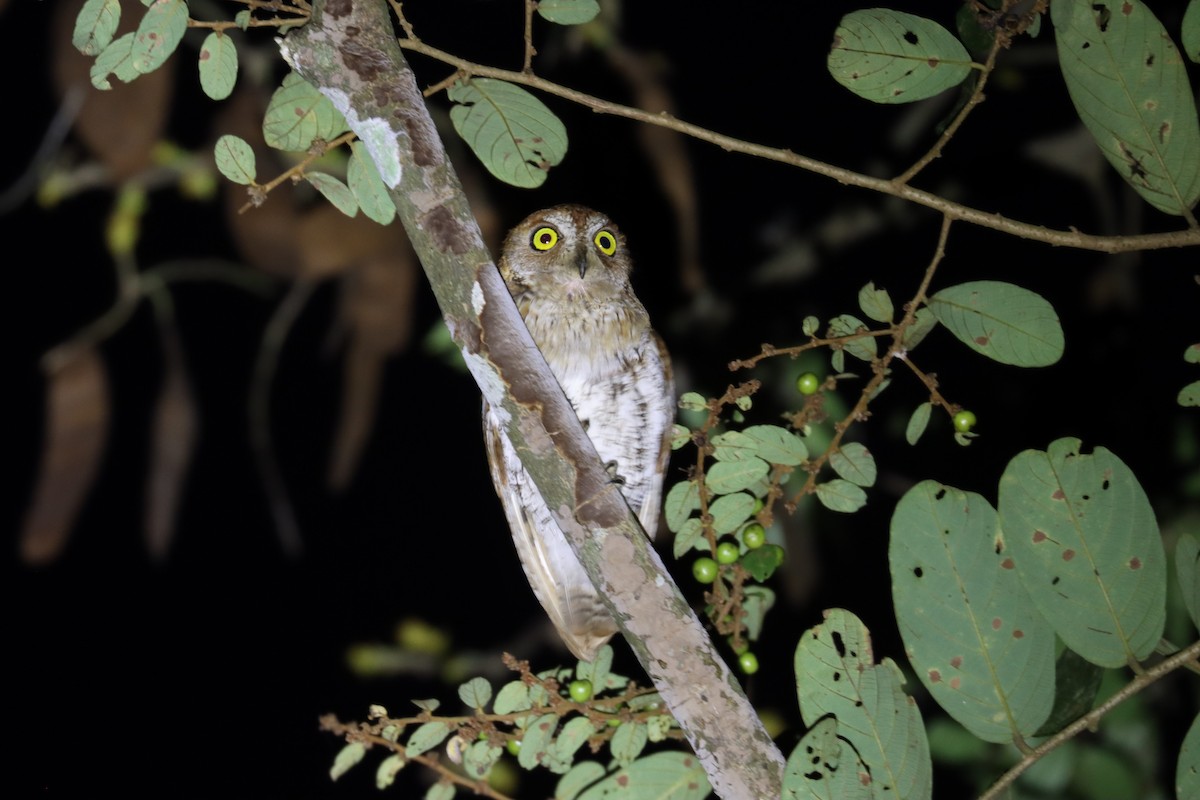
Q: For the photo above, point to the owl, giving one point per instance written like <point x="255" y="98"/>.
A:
<point x="568" y="270"/>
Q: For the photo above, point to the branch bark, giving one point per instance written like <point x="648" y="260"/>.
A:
<point x="348" y="51"/>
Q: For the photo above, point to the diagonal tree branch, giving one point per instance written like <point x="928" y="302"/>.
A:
<point x="347" y="50"/>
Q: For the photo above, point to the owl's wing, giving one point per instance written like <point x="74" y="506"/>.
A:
<point x="557" y="578"/>
<point x="658" y="425"/>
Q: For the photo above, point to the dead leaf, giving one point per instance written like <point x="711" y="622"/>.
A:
<point x="77" y="416"/>
<point x="120" y="127"/>
<point x="172" y="445"/>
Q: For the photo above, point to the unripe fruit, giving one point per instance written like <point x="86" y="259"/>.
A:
<point x="705" y="570"/>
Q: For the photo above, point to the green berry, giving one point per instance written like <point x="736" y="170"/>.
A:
<point x="513" y="746"/>
<point x="964" y="421"/>
<point x="808" y="383"/>
<point x="738" y="651"/>
<point x="705" y="570"/>
<point x="580" y="690"/>
<point x="754" y="536"/>
<point x="748" y="663"/>
<point x="727" y="553"/>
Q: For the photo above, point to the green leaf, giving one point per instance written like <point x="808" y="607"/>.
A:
<point x="1130" y="88"/>
<point x="367" y="187"/>
<point x="1002" y="321"/>
<point x="568" y="12"/>
<point x="242" y="19"/>
<point x="574" y="735"/>
<point x="724" y="477"/>
<point x="682" y="499"/>
<point x="891" y="57"/>
<point x="689" y="536"/>
<point x="1187" y="770"/>
<point x="426" y="737"/>
<point x="923" y="322"/>
<point x="973" y="636"/>
<point x="298" y="114"/>
<point x="815" y="769"/>
<point x="863" y="348"/>
<point x="777" y="445"/>
<point x="1187" y="571"/>
<point x="235" y="159"/>
<point x="385" y="773"/>
<point x="680" y="435"/>
<point x="581" y="776"/>
<point x="116" y="59"/>
<point x="854" y="462"/>
<point x="218" y="65"/>
<point x="1190" y="33"/>
<point x="810" y="325"/>
<point x="1076" y="684"/>
<point x="346" y="758"/>
<point x="536" y="742"/>
<point x="730" y="511"/>
<point x="1189" y="395"/>
<point x="659" y="727"/>
<point x="693" y="401"/>
<point x="762" y="562"/>
<point x="1192" y="354"/>
<point x="158" y="34"/>
<point x="836" y="674"/>
<point x="876" y="303"/>
<point x="627" y="743"/>
<point x="597" y="669"/>
<point x="95" y="26"/>
<point x="733" y="446"/>
<point x="1087" y="547"/>
<point x="516" y="137"/>
<point x="431" y="704"/>
<point x="479" y="758"/>
<point x="513" y="696"/>
<point x="758" y="601"/>
<point x="917" y="422"/>
<point x="670" y="775"/>
<point x="440" y="791"/>
<point x="841" y="495"/>
<point x="475" y="693"/>
<point x="334" y="191"/>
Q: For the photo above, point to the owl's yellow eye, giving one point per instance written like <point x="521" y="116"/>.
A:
<point x="606" y="242"/>
<point x="544" y="238"/>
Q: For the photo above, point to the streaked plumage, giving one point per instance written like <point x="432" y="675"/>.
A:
<point x="568" y="269"/>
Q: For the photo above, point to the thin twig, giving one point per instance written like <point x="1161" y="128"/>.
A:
<point x="952" y="210"/>
<point x="527" y="64"/>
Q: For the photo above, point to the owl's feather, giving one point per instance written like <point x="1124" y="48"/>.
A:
<point x="613" y="368"/>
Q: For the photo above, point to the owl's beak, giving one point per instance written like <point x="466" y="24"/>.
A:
<point x="581" y="260"/>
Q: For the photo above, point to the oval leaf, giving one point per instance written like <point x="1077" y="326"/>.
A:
<point x="821" y="767"/>
<point x="334" y="191"/>
<point x="367" y="187"/>
<point x="730" y="511"/>
<point x="876" y="303"/>
<point x="1002" y="321"/>
<point x="1130" y="88"/>
<point x="841" y="495"/>
<point x="836" y="674"/>
<point x="923" y="322"/>
<point x="733" y="476"/>
<point x="218" y="65"/>
<point x="581" y="776"/>
<point x="235" y="159"/>
<point x="475" y="693"/>
<point x="973" y="636"/>
<point x="1187" y="570"/>
<point x="891" y="57"/>
<point x="917" y="422"/>
<point x="385" y="774"/>
<point x="627" y="743"/>
<point x="513" y="696"/>
<point x="568" y="12"/>
<point x="1087" y="547"/>
<point x="116" y="59"/>
<point x="777" y="445"/>
<point x="158" y="34"/>
<point x="674" y="775"/>
<point x="1187" y="771"/>
<point x="427" y="737"/>
<point x="688" y="537"/>
<point x="346" y="758"/>
<point x="95" y="26"/>
<point x="1189" y="395"/>
<point x="682" y="499"/>
<point x="854" y="462"/>
<point x="516" y="137"/>
<point x="864" y="347"/>
<point x="298" y="114"/>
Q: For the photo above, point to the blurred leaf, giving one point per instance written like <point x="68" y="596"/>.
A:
<point x="891" y="57"/>
<point x="1189" y="395"/>
<point x="821" y="767"/>
<point x="724" y="477"/>
<point x="876" y="303"/>
<point x="158" y="34"/>
<point x="77" y="418"/>
<point x="298" y="114"/>
<point x="1190" y="35"/>
<point x="682" y="499"/>
<point x="1087" y="547"/>
<point x="115" y="59"/>
<point x="762" y="562"/>
<point x="426" y="737"/>
<point x="512" y="132"/>
<point x="1001" y="321"/>
<point x="475" y="693"/>
<point x="218" y="65"/>
<point x="235" y="159"/>
<point x="479" y="759"/>
<point x="513" y="696"/>
<point x="733" y="446"/>
<point x="667" y="775"/>
<point x="334" y="191"/>
<point x="173" y="445"/>
<point x="836" y="674"/>
<point x="1187" y="571"/>
<point x="346" y="758"/>
<point x="440" y="791"/>
<point x="854" y="462"/>
<point x="628" y="742"/>
<point x="95" y="25"/>
<point x="863" y="348"/>
<point x="841" y="495"/>
<point x="1130" y="88"/>
<point x="1187" y="771"/>
<point x="568" y="12"/>
<point x="689" y="536"/>
<point x="923" y="322"/>
<point x="1076" y="683"/>
<point x="730" y="511"/>
<point x="917" y="422"/>
<point x="385" y="774"/>
<point x="973" y="636"/>
<point x="582" y="775"/>
<point x="777" y="445"/>
<point x="536" y="742"/>
<point x="367" y="186"/>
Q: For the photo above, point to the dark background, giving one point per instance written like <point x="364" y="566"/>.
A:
<point x="205" y="674"/>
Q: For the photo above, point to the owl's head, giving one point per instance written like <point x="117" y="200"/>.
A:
<point x="570" y="251"/>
